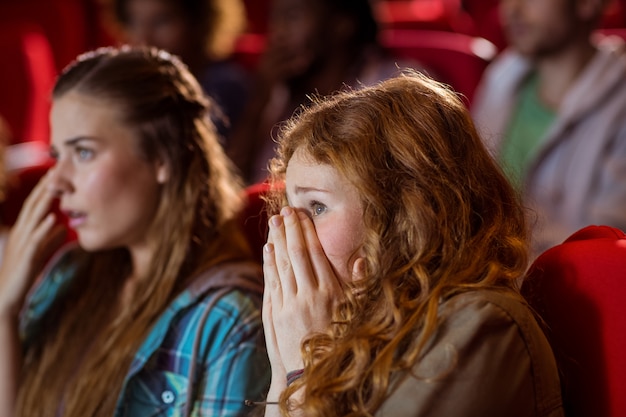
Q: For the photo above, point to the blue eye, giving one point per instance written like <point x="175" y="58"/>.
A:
<point x="317" y="208"/>
<point x="84" y="154"/>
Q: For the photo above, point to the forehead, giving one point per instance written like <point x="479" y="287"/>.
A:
<point x="75" y="114"/>
<point x="304" y="172"/>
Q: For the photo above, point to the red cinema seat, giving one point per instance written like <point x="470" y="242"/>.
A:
<point x="579" y="289"/>
<point x="446" y="15"/>
<point x="456" y="58"/>
<point x="63" y="22"/>
<point x="25" y="83"/>
<point x="254" y="219"/>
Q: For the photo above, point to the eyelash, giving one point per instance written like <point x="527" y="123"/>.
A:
<point x="314" y="205"/>
<point x="79" y="153"/>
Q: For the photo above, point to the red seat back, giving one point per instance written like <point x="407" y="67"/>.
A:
<point x="254" y="219"/>
<point x="456" y="58"/>
<point x="61" y="21"/>
<point x="27" y="82"/>
<point x="579" y="289"/>
<point x="446" y="15"/>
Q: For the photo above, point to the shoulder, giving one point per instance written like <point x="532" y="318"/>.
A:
<point x="495" y="321"/>
<point x="223" y="302"/>
<point x="486" y="305"/>
<point x="489" y="354"/>
<point x="233" y="307"/>
<point x="491" y="317"/>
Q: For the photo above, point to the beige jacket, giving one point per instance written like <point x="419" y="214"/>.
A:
<point x="489" y="358"/>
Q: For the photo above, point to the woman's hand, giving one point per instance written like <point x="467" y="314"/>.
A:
<point x="31" y="241"/>
<point x="301" y="289"/>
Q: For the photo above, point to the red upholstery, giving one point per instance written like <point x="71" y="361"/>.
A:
<point x="248" y="49"/>
<point x="579" y="289"/>
<point x="423" y="14"/>
<point x="609" y="32"/>
<point x="26" y="80"/>
<point x="254" y="218"/>
<point x="258" y="12"/>
<point x="456" y="58"/>
<point x="62" y="22"/>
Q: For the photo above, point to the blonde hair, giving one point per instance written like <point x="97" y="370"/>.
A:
<point x="85" y="347"/>
<point x="440" y="218"/>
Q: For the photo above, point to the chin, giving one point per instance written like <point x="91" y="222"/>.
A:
<point x="91" y="244"/>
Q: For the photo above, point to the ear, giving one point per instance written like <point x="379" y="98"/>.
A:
<point x="162" y="172"/>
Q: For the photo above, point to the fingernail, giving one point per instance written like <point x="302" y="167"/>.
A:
<point x="286" y="211"/>
<point x="276" y="221"/>
<point x="268" y="247"/>
<point x="302" y="215"/>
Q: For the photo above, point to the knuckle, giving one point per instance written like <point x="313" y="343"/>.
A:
<point x="298" y="253"/>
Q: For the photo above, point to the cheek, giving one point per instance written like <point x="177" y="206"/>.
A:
<point x="113" y="184"/>
<point x="340" y="241"/>
<point x="99" y="184"/>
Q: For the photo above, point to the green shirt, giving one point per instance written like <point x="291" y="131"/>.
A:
<point x="529" y="123"/>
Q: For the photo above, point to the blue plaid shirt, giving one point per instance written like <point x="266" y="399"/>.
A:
<point x="231" y="362"/>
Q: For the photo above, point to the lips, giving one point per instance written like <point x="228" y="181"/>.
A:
<point x="75" y="218"/>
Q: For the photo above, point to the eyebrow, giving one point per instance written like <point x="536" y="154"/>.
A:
<point x="301" y="190"/>
<point x="72" y="142"/>
<point x="77" y="139"/>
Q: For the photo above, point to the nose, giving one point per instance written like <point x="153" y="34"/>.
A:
<point x="61" y="178"/>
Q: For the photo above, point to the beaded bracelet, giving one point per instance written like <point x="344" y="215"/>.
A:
<point x="293" y="375"/>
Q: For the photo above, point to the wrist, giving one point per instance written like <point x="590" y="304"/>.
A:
<point x="294" y="375"/>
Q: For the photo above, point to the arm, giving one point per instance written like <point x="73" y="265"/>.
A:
<point x="31" y="240"/>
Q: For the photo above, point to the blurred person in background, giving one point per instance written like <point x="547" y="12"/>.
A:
<point x="313" y="46"/>
<point x="552" y="108"/>
<point x="203" y="34"/>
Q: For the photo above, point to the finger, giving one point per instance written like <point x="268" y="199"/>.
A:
<point x="32" y="241"/>
<point x="281" y="256"/>
<point x="41" y="231"/>
<point x="271" y="340"/>
<point x="358" y="269"/>
<point x="51" y="242"/>
<point x="272" y="286"/>
<point x="326" y="277"/>
<point x="37" y="203"/>
<point x="304" y="275"/>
